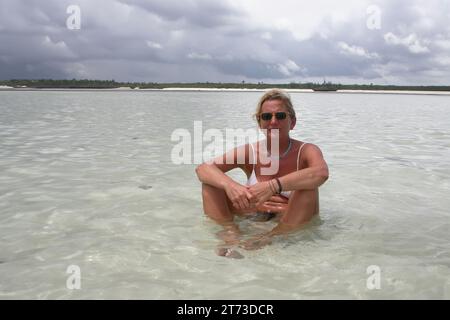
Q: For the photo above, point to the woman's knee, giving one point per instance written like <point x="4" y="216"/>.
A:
<point x="305" y="201"/>
<point x="213" y="194"/>
<point x="305" y="195"/>
<point x="210" y="191"/>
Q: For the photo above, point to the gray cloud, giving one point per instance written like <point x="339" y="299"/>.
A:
<point x="200" y="40"/>
<point x="201" y="13"/>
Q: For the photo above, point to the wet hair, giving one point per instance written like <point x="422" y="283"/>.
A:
<point x="275" y="94"/>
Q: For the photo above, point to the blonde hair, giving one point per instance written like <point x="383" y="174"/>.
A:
<point x="275" y="94"/>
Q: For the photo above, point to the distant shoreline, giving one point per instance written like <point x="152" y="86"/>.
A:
<point x="175" y="89"/>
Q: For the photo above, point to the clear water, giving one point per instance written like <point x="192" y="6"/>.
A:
<point x="87" y="179"/>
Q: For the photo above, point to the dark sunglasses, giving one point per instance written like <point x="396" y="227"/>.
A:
<point x="266" y="116"/>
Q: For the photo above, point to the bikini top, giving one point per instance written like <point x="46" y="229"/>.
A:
<point x="253" y="180"/>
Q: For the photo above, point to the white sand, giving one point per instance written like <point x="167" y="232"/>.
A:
<point x="121" y="88"/>
<point x="395" y="91"/>
<point x="234" y="90"/>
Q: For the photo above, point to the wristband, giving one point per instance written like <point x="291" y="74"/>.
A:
<point x="272" y="187"/>
<point x="280" y="188"/>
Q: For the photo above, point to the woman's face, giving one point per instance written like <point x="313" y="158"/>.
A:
<point x="284" y="125"/>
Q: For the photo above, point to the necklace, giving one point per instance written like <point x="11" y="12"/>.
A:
<point x="287" y="150"/>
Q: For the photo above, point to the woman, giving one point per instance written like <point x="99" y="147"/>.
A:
<point x="290" y="192"/>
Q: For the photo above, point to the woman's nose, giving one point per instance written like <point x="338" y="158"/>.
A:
<point x="273" y="120"/>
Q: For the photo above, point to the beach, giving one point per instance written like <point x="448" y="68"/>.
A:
<point x="182" y="89"/>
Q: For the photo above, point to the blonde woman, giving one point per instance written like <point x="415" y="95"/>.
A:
<point x="291" y="192"/>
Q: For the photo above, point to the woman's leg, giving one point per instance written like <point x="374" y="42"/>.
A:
<point x="218" y="207"/>
<point x="303" y="205"/>
<point x="215" y="204"/>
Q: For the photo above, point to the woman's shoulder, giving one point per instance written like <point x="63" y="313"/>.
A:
<point x="304" y="144"/>
<point x="297" y="144"/>
<point x="307" y="151"/>
<point x="304" y="149"/>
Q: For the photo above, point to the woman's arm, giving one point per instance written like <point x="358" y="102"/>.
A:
<point x="213" y="173"/>
<point x="310" y="178"/>
<point x="210" y="173"/>
<point x="276" y="204"/>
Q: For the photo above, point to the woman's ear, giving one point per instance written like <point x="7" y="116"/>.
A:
<point x="258" y="121"/>
<point x="293" y="122"/>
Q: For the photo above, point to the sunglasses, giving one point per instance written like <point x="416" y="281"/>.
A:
<point x="266" y="116"/>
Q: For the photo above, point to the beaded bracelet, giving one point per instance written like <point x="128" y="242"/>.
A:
<point x="272" y="187"/>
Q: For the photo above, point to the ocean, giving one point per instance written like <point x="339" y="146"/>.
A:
<point x="93" y="205"/>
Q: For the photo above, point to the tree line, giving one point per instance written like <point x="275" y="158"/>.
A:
<point x="112" y="84"/>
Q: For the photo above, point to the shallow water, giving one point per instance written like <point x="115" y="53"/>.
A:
<point x="87" y="180"/>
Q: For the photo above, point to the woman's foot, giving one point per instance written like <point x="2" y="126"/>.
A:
<point x="229" y="253"/>
<point x="256" y="243"/>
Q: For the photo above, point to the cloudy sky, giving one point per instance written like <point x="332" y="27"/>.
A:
<point x="277" y="41"/>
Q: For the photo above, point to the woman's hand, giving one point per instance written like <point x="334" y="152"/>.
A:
<point x="239" y="195"/>
<point x="275" y="204"/>
<point x="261" y="191"/>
